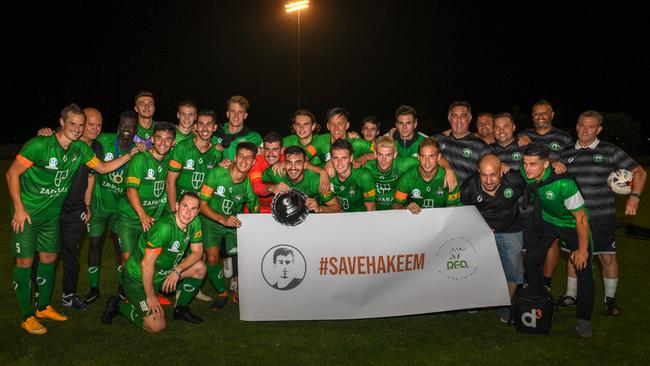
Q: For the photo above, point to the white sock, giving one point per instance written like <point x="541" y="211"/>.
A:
<point x="572" y="286"/>
<point x="610" y="285"/>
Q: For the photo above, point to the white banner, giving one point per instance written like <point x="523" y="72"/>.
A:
<point x="367" y="265"/>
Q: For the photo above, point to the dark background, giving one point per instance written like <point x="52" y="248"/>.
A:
<point x="369" y="56"/>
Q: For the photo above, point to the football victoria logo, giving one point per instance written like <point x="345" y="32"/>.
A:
<point x="283" y="267"/>
<point x="52" y="164"/>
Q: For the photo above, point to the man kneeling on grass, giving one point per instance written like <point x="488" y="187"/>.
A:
<point x="163" y="261"/>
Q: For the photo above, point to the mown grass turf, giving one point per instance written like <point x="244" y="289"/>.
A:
<point x="439" y="339"/>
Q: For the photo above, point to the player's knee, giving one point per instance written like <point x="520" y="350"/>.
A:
<point x="200" y="270"/>
<point x="607" y="259"/>
<point x="212" y="259"/>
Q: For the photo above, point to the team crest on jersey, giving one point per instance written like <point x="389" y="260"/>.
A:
<point x="440" y="192"/>
<point x="516" y="156"/>
<point x="226" y="206"/>
<point x="550" y="195"/>
<point x="598" y="158"/>
<point x="61" y="175"/>
<point x="507" y="193"/>
<point x="197" y="179"/>
<point x="555" y="146"/>
<point x="467" y="152"/>
<point x="109" y="156"/>
<point x="116" y="177"/>
<point x="416" y="193"/>
<point x="150" y="174"/>
<point x="52" y="164"/>
<point x="175" y="247"/>
<point x="158" y="187"/>
<point x="382" y="188"/>
<point x="352" y="192"/>
<point x="189" y="164"/>
<point x="221" y="190"/>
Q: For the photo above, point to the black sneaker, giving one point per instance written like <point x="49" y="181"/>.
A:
<point x="610" y="307"/>
<point x="566" y="301"/>
<point x="74" y="301"/>
<point x="183" y="313"/>
<point x="92" y="296"/>
<point x="121" y="293"/>
<point x="112" y="309"/>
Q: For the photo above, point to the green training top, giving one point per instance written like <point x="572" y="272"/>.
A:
<point x="412" y="188"/>
<point x="50" y="173"/>
<point x="171" y="243"/>
<point x="310" y="150"/>
<point x="558" y="199"/>
<point x="192" y="165"/>
<point x="309" y="185"/>
<point x="323" y="143"/>
<point x="386" y="182"/>
<point x="354" y="191"/>
<point x="224" y="196"/>
<point x="148" y="175"/>
<point x="109" y="188"/>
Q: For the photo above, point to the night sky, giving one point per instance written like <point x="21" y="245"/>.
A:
<point x="369" y="56"/>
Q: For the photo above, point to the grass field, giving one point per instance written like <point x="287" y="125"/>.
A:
<point x="438" y="339"/>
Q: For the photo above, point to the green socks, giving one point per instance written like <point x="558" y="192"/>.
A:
<point x="23" y="289"/>
<point x="188" y="288"/>
<point x="45" y="281"/>
<point x="215" y="274"/>
<point x="93" y="276"/>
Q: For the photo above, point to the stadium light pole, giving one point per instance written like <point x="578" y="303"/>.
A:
<point x="297" y="7"/>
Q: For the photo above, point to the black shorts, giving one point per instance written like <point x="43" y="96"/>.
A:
<point x="602" y="232"/>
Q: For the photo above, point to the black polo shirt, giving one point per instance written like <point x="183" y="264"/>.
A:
<point x="500" y="211"/>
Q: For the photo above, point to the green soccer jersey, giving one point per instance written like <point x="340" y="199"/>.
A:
<point x="230" y="150"/>
<point x="408" y="148"/>
<point x="192" y="165"/>
<point x="50" y="172"/>
<point x="386" y="182"/>
<point x="109" y="188"/>
<point x="148" y="175"/>
<point x="323" y="143"/>
<point x="412" y="188"/>
<point x="309" y="185"/>
<point x="171" y="243"/>
<point x="226" y="197"/>
<point x="354" y="191"/>
<point x="144" y="135"/>
<point x="310" y="150"/>
<point x="180" y="137"/>
<point x="558" y="198"/>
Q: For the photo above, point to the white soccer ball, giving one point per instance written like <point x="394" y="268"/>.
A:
<point x="620" y="181"/>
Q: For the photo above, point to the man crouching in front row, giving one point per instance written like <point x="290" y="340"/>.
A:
<point x="163" y="261"/>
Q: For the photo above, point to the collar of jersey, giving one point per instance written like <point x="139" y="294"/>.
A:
<point x="591" y="146"/>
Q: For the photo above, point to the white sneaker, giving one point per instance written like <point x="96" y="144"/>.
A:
<point x="234" y="285"/>
<point x="201" y="296"/>
<point x="227" y="267"/>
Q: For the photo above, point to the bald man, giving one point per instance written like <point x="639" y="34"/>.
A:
<point x="496" y="195"/>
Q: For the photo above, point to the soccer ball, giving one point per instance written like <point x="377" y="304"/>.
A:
<point x="620" y="181"/>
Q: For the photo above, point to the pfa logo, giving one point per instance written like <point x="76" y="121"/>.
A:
<point x="283" y="267"/>
<point x="455" y="259"/>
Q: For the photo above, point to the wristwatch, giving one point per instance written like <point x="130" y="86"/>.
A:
<point x="637" y="195"/>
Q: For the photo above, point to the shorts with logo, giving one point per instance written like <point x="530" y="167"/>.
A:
<point x="134" y="291"/>
<point x="509" y="246"/>
<point x="99" y="220"/>
<point x="128" y="231"/>
<point x="602" y="235"/>
<point x="41" y="235"/>
<point x="214" y="233"/>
